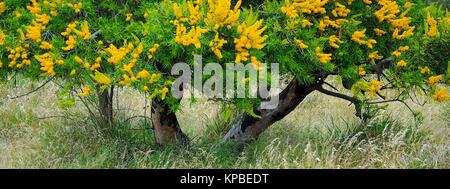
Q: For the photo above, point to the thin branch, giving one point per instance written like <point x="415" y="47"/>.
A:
<point x="33" y="91"/>
<point x="337" y="95"/>
<point x="328" y="84"/>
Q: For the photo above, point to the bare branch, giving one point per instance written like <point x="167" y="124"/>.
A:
<point x="338" y="95"/>
<point x="33" y="91"/>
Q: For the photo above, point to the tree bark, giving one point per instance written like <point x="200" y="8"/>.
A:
<point x="248" y="127"/>
<point x="166" y="127"/>
<point x="105" y="105"/>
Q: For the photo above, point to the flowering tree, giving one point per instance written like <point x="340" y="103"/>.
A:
<point x="93" y="47"/>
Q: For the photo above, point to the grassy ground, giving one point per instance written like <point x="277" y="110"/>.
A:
<point x="321" y="133"/>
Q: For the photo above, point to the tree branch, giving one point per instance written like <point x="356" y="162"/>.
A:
<point x="33" y="91"/>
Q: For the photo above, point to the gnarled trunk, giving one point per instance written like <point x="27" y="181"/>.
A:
<point x="248" y="127"/>
<point x="165" y="124"/>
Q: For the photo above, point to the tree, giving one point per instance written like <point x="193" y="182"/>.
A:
<point x="95" y="47"/>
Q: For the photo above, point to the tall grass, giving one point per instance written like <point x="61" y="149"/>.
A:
<point x="321" y="133"/>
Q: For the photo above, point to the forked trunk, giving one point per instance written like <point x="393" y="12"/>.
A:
<point x="166" y="127"/>
<point x="248" y="127"/>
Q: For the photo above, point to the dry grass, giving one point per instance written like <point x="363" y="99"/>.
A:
<point x="321" y="133"/>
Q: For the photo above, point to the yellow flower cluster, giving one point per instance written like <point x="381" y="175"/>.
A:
<point x="340" y="10"/>
<point x="101" y="78"/>
<point x="431" y="29"/>
<point x="434" y="79"/>
<point x="217" y="44"/>
<point x="18" y="57"/>
<point x="2" y="7"/>
<point x="401" y="63"/>
<point x="388" y="12"/>
<point x="400" y="50"/>
<point x="83" y="33"/>
<point x="195" y="14"/>
<point x="86" y="91"/>
<point x="326" y="22"/>
<point x="373" y="56"/>
<point x="46" y="62"/>
<point x="301" y="44"/>
<point x="375" y="87"/>
<point x="2" y="38"/>
<point x="220" y="13"/>
<point x="135" y="55"/>
<point x="323" y="58"/>
<point x="357" y="37"/>
<point x="34" y="31"/>
<point x="82" y="62"/>
<point x="425" y="70"/>
<point x="361" y="71"/>
<point x="117" y="55"/>
<point x="76" y="6"/>
<point x="189" y="38"/>
<point x="292" y="9"/>
<point x="379" y="32"/>
<point x="250" y="38"/>
<point x="334" y="40"/>
<point x="152" y="51"/>
<point x="441" y="95"/>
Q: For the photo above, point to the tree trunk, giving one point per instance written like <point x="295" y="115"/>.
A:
<point x="248" y="127"/>
<point x="166" y="127"/>
<point x="105" y="105"/>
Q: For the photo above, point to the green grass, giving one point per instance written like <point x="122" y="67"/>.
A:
<point x="305" y="139"/>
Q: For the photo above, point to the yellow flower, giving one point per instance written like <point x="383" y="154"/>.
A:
<point x="194" y="12"/>
<point x="432" y="26"/>
<point x="34" y="31"/>
<point x="401" y="63"/>
<point x="361" y="71"/>
<point x="379" y="32"/>
<point x="2" y="7"/>
<point x="250" y="38"/>
<point x="301" y="44"/>
<point x="425" y="70"/>
<point x="340" y="10"/>
<point x="408" y="4"/>
<point x="356" y="37"/>
<point x="334" y="40"/>
<point x="117" y="55"/>
<point x="86" y="91"/>
<point x="77" y="7"/>
<point x="375" y="87"/>
<point x="221" y="13"/>
<point x="145" y="88"/>
<point x="323" y="58"/>
<point x="154" y="78"/>
<point x="441" y="95"/>
<point x="396" y="53"/>
<point x="142" y="74"/>
<point x="84" y="33"/>
<point x="373" y="56"/>
<point x="101" y="78"/>
<point x="164" y="92"/>
<point x="217" y="44"/>
<point x="78" y="60"/>
<point x="370" y="43"/>
<point x="70" y="44"/>
<point x="46" y="62"/>
<point x="2" y="38"/>
<point x="403" y="48"/>
<point x="46" y="45"/>
<point x="434" y="79"/>
<point x="128" y="17"/>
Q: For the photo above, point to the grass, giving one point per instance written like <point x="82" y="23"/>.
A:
<point x="321" y="133"/>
